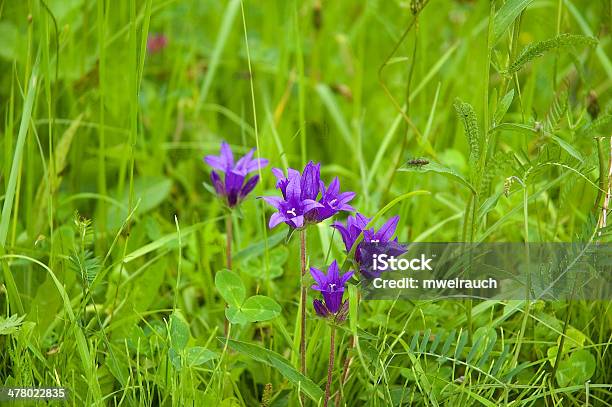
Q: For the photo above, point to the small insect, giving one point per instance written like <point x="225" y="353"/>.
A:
<point x="418" y="162"/>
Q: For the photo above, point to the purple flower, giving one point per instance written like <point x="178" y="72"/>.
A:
<point x="299" y="205"/>
<point x="331" y="286"/>
<point x="374" y="241"/>
<point x="292" y="208"/>
<point x="333" y="200"/>
<point x="354" y="226"/>
<point x="235" y="186"/>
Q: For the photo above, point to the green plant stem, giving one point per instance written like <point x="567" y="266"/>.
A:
<point x="303" y="302"/>
<point x="330" y="366"/>
<point x="466" y="221"/>
<point x="229" y="236"/>
<point x="528" y="285"/>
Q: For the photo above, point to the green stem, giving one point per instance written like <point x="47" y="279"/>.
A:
<point x="229" y="236"/>
<point x="330" y="366"/>
<point x="528" y="285"/>
<point x="303" y="302"/>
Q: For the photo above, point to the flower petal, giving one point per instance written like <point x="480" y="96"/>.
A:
<point x="346" y="208"/>
<point x="333" y="300"/>
<point x="334" y="187"/>
<point x="346" y="277"/>
<point x="275" y="201"/>
<point x="388" y="229"/>
<point x="320" y="308"/>
<point x="293" y="188"/>
<point x="311" y="176"/>
<point x="217" y="183"/>
<point x="361" y="221"/>
<point x="279" y="174"/>
<point x="332" y="271"/>
<point x="244" y="161"/>
<point x="319" y="277"/>
<point x="227" y="155"/>
<point x="256" y="164"/>
<point x="309" y="204"/>
<point x="345" y="197"/>
<point x="248" y="186"/>
<point x="297" y="221"/>
<point x="346" y="236"/>
<point x="275" y="219"/>
<point x="217" y="163"/>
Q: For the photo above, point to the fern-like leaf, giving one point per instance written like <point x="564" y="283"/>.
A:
<point x="556" y="111"/>
<point x="480" y="357"/>
<point x="86" y="265"/>
<point x="537" y="49"/>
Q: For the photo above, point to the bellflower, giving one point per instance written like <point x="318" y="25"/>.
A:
<point x="333" y="200"/>
<point x="293" y="207"/>
<point x="236" y="185"/>
<point x="306" y="199"/>
<point x="331" y="286"/>
<point x="374" y="241"/>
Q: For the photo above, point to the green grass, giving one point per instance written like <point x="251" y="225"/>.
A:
<point x="121" y="307"/>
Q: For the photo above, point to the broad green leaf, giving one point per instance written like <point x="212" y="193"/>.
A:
<point x="11" y="324"/>
<point x="179" y="331"/>
<point x="575" y="338"/>
<point x="235" y="316"/>
<point x="230" y="287"/>
<point x="118" y="367"/>
<point x="260" y="308"/>
<point x="275" y="360"/>
<point x="576" y="369"/>
<point x="175" y="358"/>
<point x="505" y="16"/>
<point x="442" y="170"/>
<point x="152" y="191"/>
<point x="198" y="355"/>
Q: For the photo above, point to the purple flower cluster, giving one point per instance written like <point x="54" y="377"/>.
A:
<point x="235" y="186"/>
<point x="374" y="241"/>
<point x="305" y="198"/>
<point x="331" y="286"/>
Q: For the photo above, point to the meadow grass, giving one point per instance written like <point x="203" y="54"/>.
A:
<point x="112" y="248"/>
